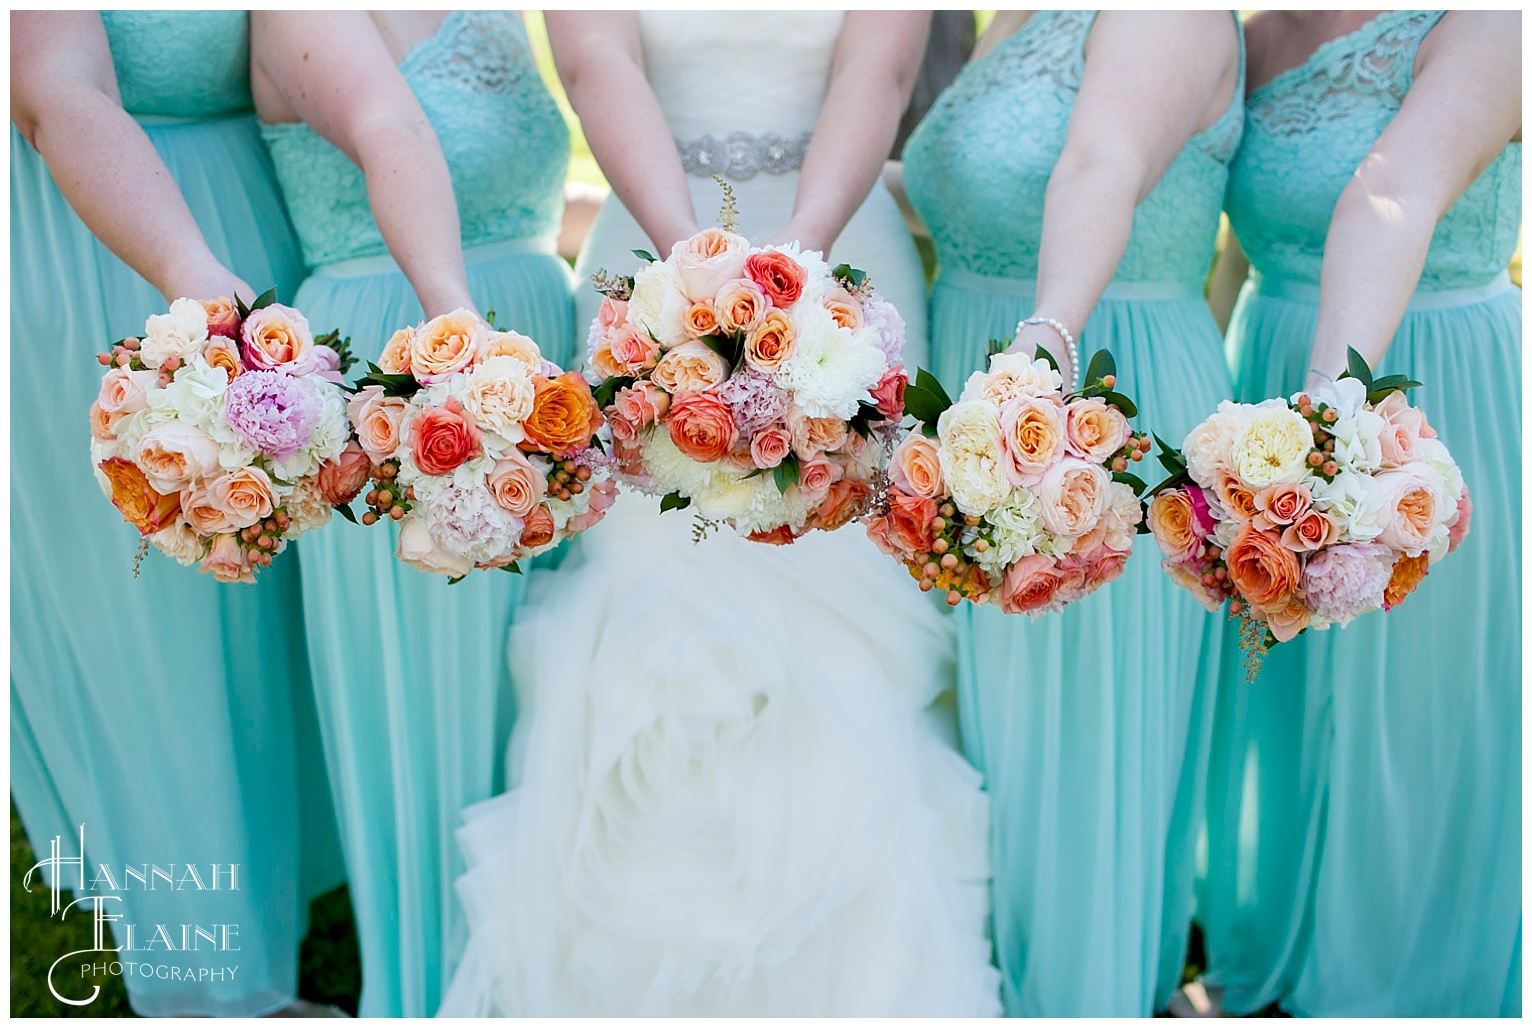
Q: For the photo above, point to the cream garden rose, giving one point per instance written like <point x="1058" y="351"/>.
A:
<point x="971" y="456"/>
<point x="1272" y="447"/>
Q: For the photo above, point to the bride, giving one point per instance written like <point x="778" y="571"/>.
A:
<point x="730" y="792"/>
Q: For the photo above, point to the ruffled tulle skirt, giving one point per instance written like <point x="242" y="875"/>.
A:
<point x="730" y="793"/>
<point x="409" y="671"/>
<point x="1091" y="725"/>
<point x="168" y="714"/>
<point x="1365" y="793"/>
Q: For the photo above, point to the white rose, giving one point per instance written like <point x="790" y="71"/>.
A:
<point x="180" y="333"/>
<point x="419" y="550"/>
<point x="970" y="456"/>
<point x="829" y="370"/>
<point x="1272" y="447"/>
<point x="659" y="304"/>
<point x="498" y="397"/>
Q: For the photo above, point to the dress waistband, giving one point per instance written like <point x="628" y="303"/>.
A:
<point x="155" y="120"/>
<point x="999" y="285"/>
<point x="1423" y="300"/>
<point x="741" y="156"/>
<point x="384" y="264"/>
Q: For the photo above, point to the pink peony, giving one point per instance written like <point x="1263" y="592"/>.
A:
<point x="1345" y="581"/>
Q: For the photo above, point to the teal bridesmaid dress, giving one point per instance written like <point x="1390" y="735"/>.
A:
<point x="1090" y="726"/>
<point x="410" y="672"/>
<point x="1364" y="814"/>
<point x="169" y="715"/>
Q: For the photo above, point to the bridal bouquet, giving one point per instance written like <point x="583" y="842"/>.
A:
<point x="481" y="449"/>
<point x="221" y="435"/>
<point x="1018" y="494"/>
<point x="1309" y="512"/>
<point x="756" y="385"/>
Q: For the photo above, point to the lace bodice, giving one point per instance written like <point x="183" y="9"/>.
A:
<point x="739" y="71"/>
<point x="183" y="64"/>
<point x="1308" y="130"/>
<point x="977" y="167"/>
<point x="504" y="140"/>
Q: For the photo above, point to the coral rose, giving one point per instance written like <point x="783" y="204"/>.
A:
<point x="842" y="503"/>
<point x="740" y="306"/>
<point x="245" y="495"/>
<point x="909" y="523"/>
<point x="446" y="345"/>
<point x="780" y="277"/>
<point x="516" y="484"/>
<point x="888" y="394"/>
<point x="782" y="535"/>
<point x="140" y="504"/>
<point x="612" y="312"/>
<point x="1409" y="572"/>
<point x="702" y="426"/>
<point x="916" y="467"/>
<point x="641" y="404"/>
<point x="564" y="415"/>
<point x="103" y="426"/>
<point x="690" y="368"/>
<point x="1403" y="428"/>
<point x="1030" y="584"/>
<point x="1262" y="569"/>
<point x="771" y="342"/>
<point x="202" y="515"/>
<point x="443" y="438"/>
<point x="277" y="338"/>
<point x="1032" y="438"/>
<point x="633" y="351"/>
<point x="815" y="477"/>
<point x="538" y="530"/>
<point x="340" y="480"/>
<point x="377" y="419"/>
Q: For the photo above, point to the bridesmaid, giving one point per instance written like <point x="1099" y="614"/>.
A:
<point x="1075" y="171"/>
<point x="1365" y="800"/>
<point x="164" y="713"/>
<point x="376" y="122"/>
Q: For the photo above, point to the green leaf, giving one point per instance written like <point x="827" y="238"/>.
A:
<point x="1381" y="387"/>
<point x="1176" y="480"/>
<point x="922" y="405"/>
<point x="998" y="346"/>
<point x="727" y="347"/>
<point x="606" y="392"/>
<point x="345" y="511"/>
<point x="644" y="255"/>
<point x="928" y="430"/>
<point x="393" y="385"/>
<point x="489" y="319"/>
<point x="1050" y="358"/>
<point x="849" y="275"/>
<point x="931" y="384"/>
<point x="1101" y="365"/>
<point x="674" y="501"/>
<point x="786" y="473"/>
<point x="266" y="299"/>
<point x="239" y="305"/>
<point x="1121" y="402"/>
<point x="1356" y="367"/>
<point x="1170" y="456"/>
<point x="456" y="580"/>
<point x="1130" y="480"/>
<point x="513" y="567"/>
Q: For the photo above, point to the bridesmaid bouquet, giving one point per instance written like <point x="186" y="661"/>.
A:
<point x="756" y="385"/>
<point x="484" y="452"/>
<point x="1018" y="494"/>
<point x="221" y="435"/>
<point x="1309" y="512"/>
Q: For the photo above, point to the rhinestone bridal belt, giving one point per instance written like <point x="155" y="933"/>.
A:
<point x="741" y="156"/>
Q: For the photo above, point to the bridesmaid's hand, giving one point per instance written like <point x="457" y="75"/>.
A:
<point x="1030" y="337"/>
<point x="207" y="279"/>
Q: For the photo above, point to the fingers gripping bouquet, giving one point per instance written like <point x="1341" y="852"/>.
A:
<point x="1309" y="512"/>
<point x="1018" y="494"/>
<point x="481" y="449"/>
<point x="755" y="385"/>
<point x="221" y="435"/>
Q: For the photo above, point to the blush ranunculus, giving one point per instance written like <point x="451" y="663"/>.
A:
<point x="770" y="447"/>
<point x="443" y="438"/>
<point x="1031" y="437"/>
<point x="377" y="419"/>
<point x="780" y="277"/>
<point x="245" y="495"/>
<point x="341" y="480"/>
<point x="690" y="368"/>
<point x="916" y="468"/>
<point x="840" y="505"/>
<point x="140" y="504"/>
<point x="772" y="340"/>
<point x="538" y="530"/>
<point x="1312" y="531"/>
<point x="888" y="394"/>
<point x="564" y="415"/>
<point x="277" y="338"/>
<point x="1278" y="506"/>
<point x="702" y="426"/>
<point x="633" y="351"/>
<point x="1094" y="430"/>
<point x="1172" y="522"/>
<point x="1030" y="584"/>
<point x="227" y="561"/>
<point x="446" y="345"/>
<point x="1263" y="570"/>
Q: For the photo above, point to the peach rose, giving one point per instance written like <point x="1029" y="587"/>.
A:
<point x="517" y="485"/>
<point x="174" y="453"/>
<point x="1094" y="430"/>
<point x="222" y="317"/>
<point x="244" y="495"/>
<point x="512" y="344"/>
<point x="227" y="561"/>
<point x="1278" y="506"/>
<point x="1106" y="565"/>
<point x="770" y="447"/>
<point x="1409" y="511"/>
<point x="1172" y="521"/>
<point x="739" y="461"/>
<point x="740" y="306"/>
<point x="277" y="338"/>
<point x="780" y="277"/>
<point x="641" y="404"/>
<point x="690" y="368"/>
<point x="813" y="436"/>
<point x="446" y="345"/>
<point x="1031" y="437"/>
<point x="1409" y="572"/>
<point x="1237" y="498"/>
<point x="1262" y="569"/>
<point x="103" y="426"/>
<point x="844" y="308"/>
<point x="377" y="419"/>
<point x="604" y="363"/>
<point x="564" y="415"/>
<point x="443" y="438"/>
<point x="1459" y="529"/>
<point x="202" y="515"/>
<point x="1313" y="531"/>
<point x="633" y="351"/>
<point x="1072" y="496"/>
<point x="1403" y="427"/>
<point x="612" y="312"/>
<point x="395" y="359"/>
<point x="888" y="394"/>
<point x="842" y="503"/>
<point x="340" y="480"/>
<point x="538" y="530"/>
<point x="816" y="476"/>
<point x="699" y="320"/>
<point x="909" y="523"/>
<point x="768" y="345"/>
<point x="916" y="468"/>
<point x="499" y="396"/>
<point x="1288" y="621"/>
<point x="1029" y="584"/>
<point x="782" y="535"/>
<point x="140" y="504"/>
<point x="221" y="352"/>
<point x="126" y="392"/>
<point x="702" y="426"/>
<point x="708" y="261"/>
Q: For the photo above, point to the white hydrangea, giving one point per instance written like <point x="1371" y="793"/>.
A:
<point x="1355" y="501"/>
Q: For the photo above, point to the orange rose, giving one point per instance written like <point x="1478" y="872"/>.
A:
<point x="564" y="415"/>
<point x="538" y="529"/>
<point x="446" y="345"/>
<point x="845" y="499"/>
<point x="395" y="359"/>
<point x="340" y="480"/>
<point x="844" y="308"/>
<point x="700" y="320"/>
<point x="377" y="419"/>
<point x="220" y="352"/>
<point x="1172" y="521"/>
<point x="702" y="426"/>
<point x="768" y="346"/>
<point x="780" y="277"/>
<point x="916" y="467"/>
<point x="443" y="438"/>
<point x="782" y="535"/>
<point x="1262" y="569"/>
<point x="740" y="306"/>
<point x="141" y="506"/>
<point x="244" y="495"/>
<point x="1236" y="497"/>
<point x="222" y="317"/>
<point x="1409" y="572"/>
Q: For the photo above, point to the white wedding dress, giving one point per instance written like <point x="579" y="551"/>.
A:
<point x="730" y="794"/>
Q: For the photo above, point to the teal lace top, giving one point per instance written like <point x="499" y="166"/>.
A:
<point x="504" y="140"/>
<point x="976" y="168"/>
<point x="1322" y="119"/>
<point x="181" y="64"/>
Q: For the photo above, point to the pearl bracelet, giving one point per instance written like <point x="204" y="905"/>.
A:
<point x="1069" y="346"/>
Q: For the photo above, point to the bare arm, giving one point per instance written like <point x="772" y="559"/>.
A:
<point x="600" y="60"/>
<point x="877" y="58"/>
<point x="333" y="71"/>
<point x="1149" y="82"/>
<point x="1463" y="108"/>
<point x="64" y="101"/>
